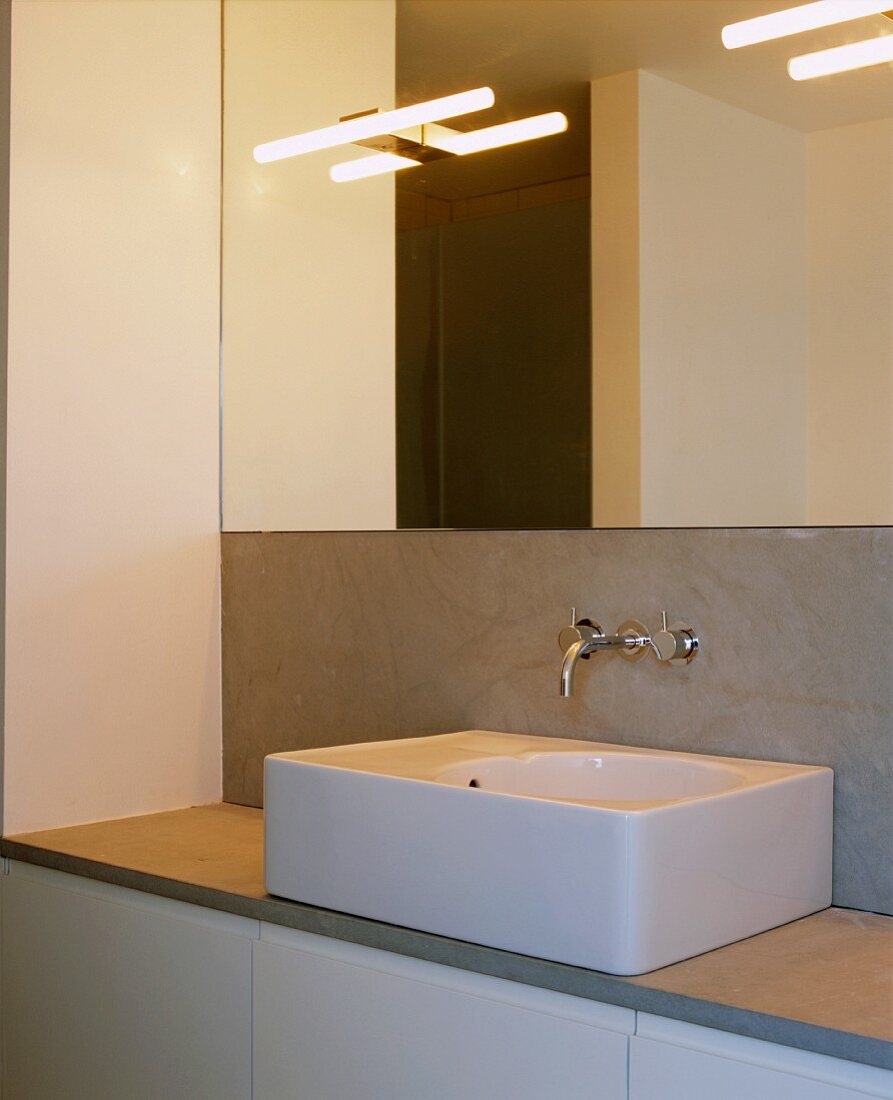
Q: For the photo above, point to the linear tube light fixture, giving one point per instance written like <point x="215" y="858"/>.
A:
<point x="423" y="140"/>
<point x="493" y="137"/>
<point x="375" y="124"/>
<point x="376" y="165"/>
<point x="806" y="17"/>
<point x="842" y="59"/>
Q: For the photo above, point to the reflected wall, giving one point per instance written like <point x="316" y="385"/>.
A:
<point x="714" y="349"/>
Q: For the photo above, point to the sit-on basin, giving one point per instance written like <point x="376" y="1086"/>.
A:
<point x="607" y="778"/>
<point x="604" y="856"/>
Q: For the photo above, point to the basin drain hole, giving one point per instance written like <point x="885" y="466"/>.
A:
<point x="473" y="783"/>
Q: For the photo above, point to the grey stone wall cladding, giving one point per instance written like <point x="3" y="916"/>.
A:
<point x="361" y="636"/>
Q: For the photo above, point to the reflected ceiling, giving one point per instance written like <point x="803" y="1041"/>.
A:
<point x="540" y="55"/>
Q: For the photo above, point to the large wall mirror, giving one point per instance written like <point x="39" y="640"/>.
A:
<point x="676" y="312"/>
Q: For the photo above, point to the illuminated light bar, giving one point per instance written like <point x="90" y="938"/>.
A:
<point x="492" y="137"/>
<point x="369" y="166"/>
<point x="375" y="125"/>
<point x="807" y="17"/>
<point x="842" y="59"/>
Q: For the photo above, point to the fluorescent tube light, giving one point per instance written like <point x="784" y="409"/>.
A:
<point x="806" y="17"/>
<point x="492" y="137"/>
<point x="369" y="166"/>
<point x="841" y="59"/>
<point x="374" y="125"/>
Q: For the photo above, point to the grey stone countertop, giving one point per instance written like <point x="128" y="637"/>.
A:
<point x="823" y="983"/>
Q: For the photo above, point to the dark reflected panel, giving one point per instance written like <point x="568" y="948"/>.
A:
<point x="418" y="378"/>
<point x="493" y="373"/>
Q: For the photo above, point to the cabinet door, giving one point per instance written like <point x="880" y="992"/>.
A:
<point x="336" y="1021"/>
<point x="670" y="1060"/>
<point x="109" y="994"/>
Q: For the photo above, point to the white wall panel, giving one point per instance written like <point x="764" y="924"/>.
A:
<point x="723" y="313"/>
<point x="113" y="623"/>
<point x="850" y="205"/>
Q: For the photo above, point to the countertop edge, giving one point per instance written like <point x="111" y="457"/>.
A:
<point x="588" y="984"/>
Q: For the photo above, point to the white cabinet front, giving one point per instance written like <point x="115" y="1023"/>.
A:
<point x="336" y="1021"/>
<point x="671" y="1060"/>
<point x="109" y="994"/>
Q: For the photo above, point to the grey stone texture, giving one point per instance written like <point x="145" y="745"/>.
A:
<point x="331" y="638"/>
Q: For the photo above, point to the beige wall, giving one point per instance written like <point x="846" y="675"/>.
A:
<point x="112" y="634"/>
<point x="699" y="310"/>
<point x="5" y="28"/>
<point x="722" y="313"/>
<point x="850" y="207"/>
<point x="308" y="274"/>
<point x="616" y="399"/>
<point x="742" y="314"/>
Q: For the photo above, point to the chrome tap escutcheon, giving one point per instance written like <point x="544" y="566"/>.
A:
<point x="583" y="637"/>
<point x="676" y="644"/>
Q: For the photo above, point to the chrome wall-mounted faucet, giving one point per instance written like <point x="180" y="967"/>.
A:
<point x="583" y="637"/>
<point x="675" y="645"/>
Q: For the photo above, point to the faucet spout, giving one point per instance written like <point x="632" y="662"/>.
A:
<point x="580" y="641"/>
<point x="569" y="667"/>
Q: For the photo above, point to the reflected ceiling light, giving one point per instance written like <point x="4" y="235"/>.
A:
<point x="492" y="137"/>
<point x="376" y="165"/>
<point x="806" y="17"/>
<point x="433" y="142"/>
<point x="374" y="124"/>
<point x="409" y="136"/>
<point x="842" y="59"/>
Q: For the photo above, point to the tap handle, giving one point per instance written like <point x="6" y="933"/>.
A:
<point x="578" y="630"/>
<point x="677" y="644"/>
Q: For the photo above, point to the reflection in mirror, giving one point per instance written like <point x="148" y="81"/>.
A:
<point x="493" y="357"/>
<point x="677" y="312"/>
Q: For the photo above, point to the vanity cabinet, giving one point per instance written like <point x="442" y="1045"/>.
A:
<point x="112" y="994"/>
<point x="353" y="1023"/>
<point x="672" y="1060"/>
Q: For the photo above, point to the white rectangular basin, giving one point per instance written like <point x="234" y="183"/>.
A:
<point x="603" y="856"/>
